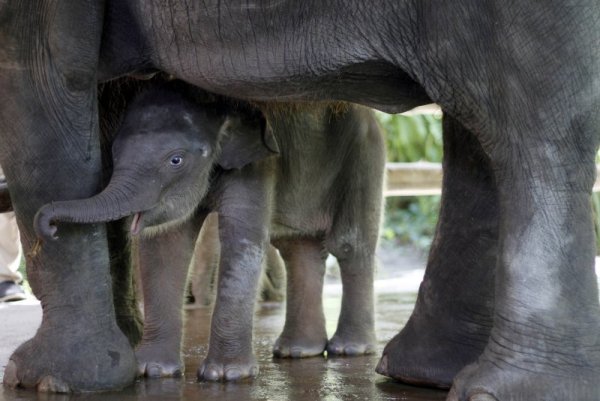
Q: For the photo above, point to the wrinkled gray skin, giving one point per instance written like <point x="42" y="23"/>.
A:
<point x="509" y="306"/>
<point x="205" y="265"/>
<point x="175" y="159"/>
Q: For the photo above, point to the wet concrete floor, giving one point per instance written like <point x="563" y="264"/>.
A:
<point x="318" y="378"/>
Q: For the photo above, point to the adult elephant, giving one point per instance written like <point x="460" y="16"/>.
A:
<point x="520" y="84"/>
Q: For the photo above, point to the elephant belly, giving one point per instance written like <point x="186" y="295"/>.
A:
<point x="306" y="223"/>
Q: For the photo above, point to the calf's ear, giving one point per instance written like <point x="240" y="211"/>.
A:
<point x="245" y="139"/>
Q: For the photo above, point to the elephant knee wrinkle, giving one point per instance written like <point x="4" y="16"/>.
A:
<point x="343" y="250"/>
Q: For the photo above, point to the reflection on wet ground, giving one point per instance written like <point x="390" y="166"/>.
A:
<point x="318" y="378"/>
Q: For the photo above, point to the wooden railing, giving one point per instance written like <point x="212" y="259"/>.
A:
<point x="413" y="179"/>
<point x="422" y="178"/>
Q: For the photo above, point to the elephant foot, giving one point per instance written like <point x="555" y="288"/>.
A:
<point x="214" y="370"/>
<point x="64" y="361"/>
<point x="431" y="355"/>
<point x="154" y="361"/>
<point x="351" y="345"/>
<point x="556" y="363"/>
<point x="299" y="347"/>
<point x="489" y="381"/>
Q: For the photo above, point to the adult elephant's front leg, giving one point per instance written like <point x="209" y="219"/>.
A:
<point x="450" y="324"/>
<point x="50" y="151"/>
<point x="243" y="232"/>
<point x="539" y="127"/>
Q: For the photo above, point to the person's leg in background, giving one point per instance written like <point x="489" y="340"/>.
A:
<point x="10" y="258"/>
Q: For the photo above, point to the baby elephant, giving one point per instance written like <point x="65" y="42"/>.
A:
<point x="310" y="181"/>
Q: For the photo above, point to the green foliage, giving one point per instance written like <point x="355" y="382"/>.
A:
<point x="412" y="220"/>
<point x="25" y="283"/>
<point x="412" y="138"/>
<point x="596" y="211"/>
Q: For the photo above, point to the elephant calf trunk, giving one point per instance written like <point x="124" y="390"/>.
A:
<point x="97" y="209"/>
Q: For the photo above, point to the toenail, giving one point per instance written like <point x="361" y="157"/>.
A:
<point x="335" y="349"/>
<point x="233" y="374"/>
<point x="482" y="397"/>
<point x="382" y="366"/>
<point x="452" y="395"/>
<point x="10" y="374"/>
<point x="210" y="375"/>
<point x="153" y="370"/>
<point x="50" y="384"/>
<point x="351" y="350"/>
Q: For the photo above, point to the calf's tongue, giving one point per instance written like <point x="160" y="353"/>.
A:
<point x="135" y="224"/>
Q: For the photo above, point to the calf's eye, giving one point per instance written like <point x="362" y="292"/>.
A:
<point x="176" y="160"/>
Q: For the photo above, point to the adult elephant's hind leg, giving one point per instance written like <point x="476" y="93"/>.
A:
<point x="545" y="341"/>
<point x="50" y="151"/>
<point x="542" y="137"/>
<point x="450" y="324"/>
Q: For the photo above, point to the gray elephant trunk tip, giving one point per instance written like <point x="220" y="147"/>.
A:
<point x="45" y="227"/>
